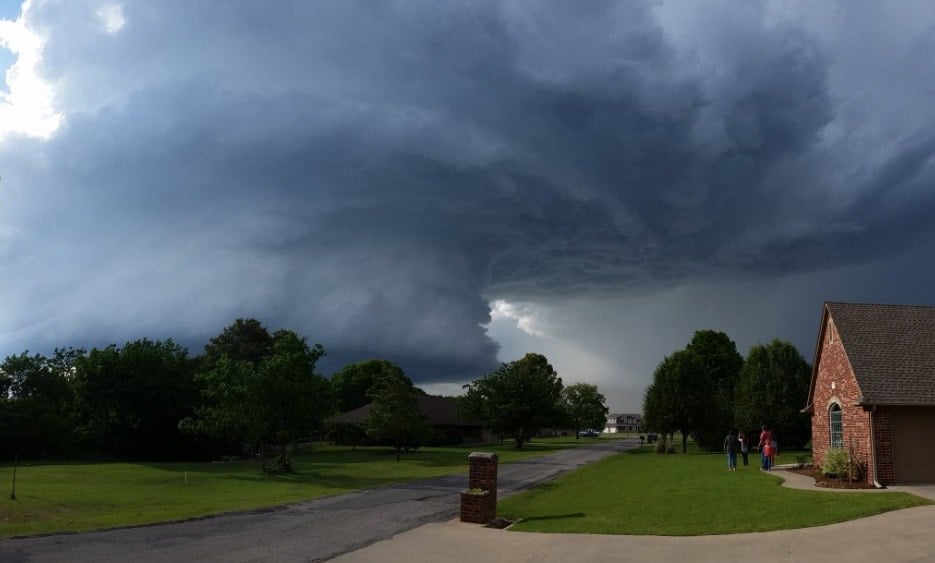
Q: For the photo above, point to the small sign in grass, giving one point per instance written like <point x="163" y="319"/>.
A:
<point x="684" y="495"/>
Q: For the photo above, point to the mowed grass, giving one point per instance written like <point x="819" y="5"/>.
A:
<point x="64" y="497"/>
<point x="643" y="493"/>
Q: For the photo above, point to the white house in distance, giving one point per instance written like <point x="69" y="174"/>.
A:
<point x="627" y="422"/>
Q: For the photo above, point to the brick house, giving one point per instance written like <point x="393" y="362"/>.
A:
<point x="873" y="389"/>
<point x="440" y="412"/>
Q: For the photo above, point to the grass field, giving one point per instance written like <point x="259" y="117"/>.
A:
<point x="676" y="494"/>
<point x="59" y="497"/>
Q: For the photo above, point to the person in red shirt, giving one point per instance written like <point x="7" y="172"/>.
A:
<point x="765" y="446"/>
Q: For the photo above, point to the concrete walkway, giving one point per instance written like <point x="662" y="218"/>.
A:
<point x="901" y="536"/>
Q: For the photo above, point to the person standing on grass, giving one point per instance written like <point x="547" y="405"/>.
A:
<point x="744" y="448"/>
<point x="765" y="445"/>
<point x="731" y="445"/>
<point x="773" y="450"/>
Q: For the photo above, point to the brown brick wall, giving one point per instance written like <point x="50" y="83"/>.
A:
<point x="883" y="435"/>
<point x="480" y="508"/>
<point x="835" y="382"/>
<point x="482" y="471"/>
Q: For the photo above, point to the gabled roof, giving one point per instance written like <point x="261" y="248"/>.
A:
<point x="891" y="349"/>
<point x="624" y="415"/>
<point x="440" y="411"/>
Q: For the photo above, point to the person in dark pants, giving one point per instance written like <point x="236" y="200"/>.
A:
<point x="744" y="448"/>
<point x="731" y="445"/>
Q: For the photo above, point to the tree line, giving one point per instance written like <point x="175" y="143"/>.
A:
<point x="524" y="396"/>
<point x="251" y="391"/>
<point x="708" y="388"/>
<point x="149" y="399"/>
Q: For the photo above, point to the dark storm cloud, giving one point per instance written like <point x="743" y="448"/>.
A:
<point x="370" y="174"/>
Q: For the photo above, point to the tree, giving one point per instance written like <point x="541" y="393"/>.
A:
<point x="37" y="395"/>
<point x="584" y="406"/>
<point x="347" y="433"/>
<point x="5" y="382"/>
<point x="517" y="399"/>
<point x="351" y="385"/>
<point x="295" y="396"/>
<point x="722" y="365"/>
<point x="679" y="397"/>
<point x="246" y="340"/>
<point x="395" y="416"/>
<point x="129" y="400"/>
<point x="657" y="416"/>
<point x="263" y="402"/>
<point x="38" y="377"/>
<point x="228" y="409"/>
<point x="772" y="389"/>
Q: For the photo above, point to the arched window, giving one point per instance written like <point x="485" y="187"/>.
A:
<point x="837" y="426"/>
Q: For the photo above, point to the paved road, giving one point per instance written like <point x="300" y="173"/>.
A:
<point x="313" y="531"/>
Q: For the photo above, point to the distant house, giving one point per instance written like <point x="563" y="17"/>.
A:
<point x="442" y="415"/>
<point x="873" y="389"/>
<point x="623" y="423"/>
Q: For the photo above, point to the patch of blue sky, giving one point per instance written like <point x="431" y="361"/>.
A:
<point x="9" y="10"/>
<point x="6" y="61"/>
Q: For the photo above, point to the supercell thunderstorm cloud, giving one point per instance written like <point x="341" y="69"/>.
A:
<point x="449" y="186"/>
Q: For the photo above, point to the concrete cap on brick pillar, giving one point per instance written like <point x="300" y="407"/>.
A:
<point x="483" y="455"/>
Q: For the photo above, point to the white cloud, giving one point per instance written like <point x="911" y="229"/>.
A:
<point x="112" y="17"/>
<point x="526" y="315"/>
<point x="26" y="108"/>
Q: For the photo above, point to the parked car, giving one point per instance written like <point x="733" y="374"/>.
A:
<point x="651" y="437"/>
<point x="589" y="433"/>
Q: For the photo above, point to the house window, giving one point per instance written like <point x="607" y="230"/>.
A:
<point x="837" y="426"/>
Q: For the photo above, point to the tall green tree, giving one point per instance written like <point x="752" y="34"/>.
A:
<point x="657" y="416"/>
<point x="395" y="416"/>
<point x="129" y="400"/>
<point x="244" y="340"/>
<point x="351" y="386"/>
<point x="584" y="406"/>
<point x="772" y="389"/>
<point x="722" y="365"/>
<point x="5" y="382"/>
<point x="679" y="397"/>
<point x="37" y="396"/>
<point x="267" y="405"/>
<point x="296" y="397"/>
<point x="517" y="399"/>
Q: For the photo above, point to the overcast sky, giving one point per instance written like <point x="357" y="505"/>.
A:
<point x="450" y="185"/>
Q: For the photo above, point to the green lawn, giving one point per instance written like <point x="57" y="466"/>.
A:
<point x="680" y="495"/>
<point x="62" y="496"/>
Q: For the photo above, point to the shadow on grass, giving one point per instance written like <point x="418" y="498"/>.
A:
<point x="554" y="517"/>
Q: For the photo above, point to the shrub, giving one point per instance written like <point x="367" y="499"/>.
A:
<point x="844" y="464"/>
<point x="661" y="444"/>
<point x="277" y="460"/>
<point x="837" y="463"/>
<point x="858" y="468"/>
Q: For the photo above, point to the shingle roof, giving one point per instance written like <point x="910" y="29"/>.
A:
<point x="891" y="349"/>
<point x="440" y="411"/>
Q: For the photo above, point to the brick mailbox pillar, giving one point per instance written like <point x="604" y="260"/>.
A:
<point x="479" y="502"/>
